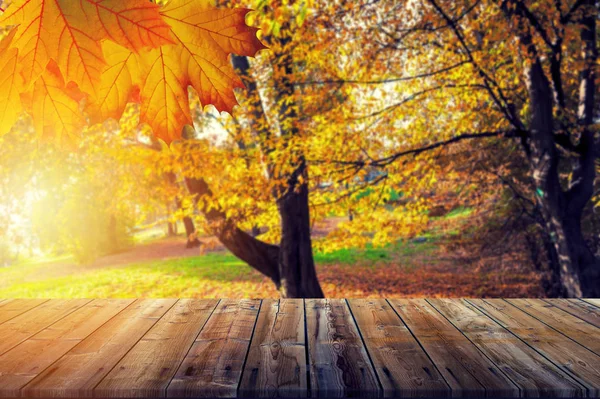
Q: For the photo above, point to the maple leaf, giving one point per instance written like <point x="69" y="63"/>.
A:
<point x="70" y="33"/>
<point x="134" y="24"/>
<point x="55" y="114"/>
<point x="33" y="38"/>
<point x="164" y="97"/>
<point x="204" y="37"/>
<point x="100" y="46"/>
<point x="11" y="84"/>
<point x="117" y="84"/>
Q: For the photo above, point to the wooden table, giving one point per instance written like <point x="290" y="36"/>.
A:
<point x="329" y="348"/>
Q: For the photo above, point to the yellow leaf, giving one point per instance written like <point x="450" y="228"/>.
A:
<point x="164" y="96"/>
<point x="33" y="38"/>
<point x="207" y="36"/>
<point x="204" y="37"/>
<point x="221" y="30"/>
<point x="70" y="32"/>
<point x="117" y="83"/>
<point x="74" y="37"/>
<point x="11" y="84"/>
<point x="55" y="114"/>
<point x="134" y="24"/>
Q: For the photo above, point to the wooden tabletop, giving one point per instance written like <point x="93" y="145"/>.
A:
<point x="297" y="348"/>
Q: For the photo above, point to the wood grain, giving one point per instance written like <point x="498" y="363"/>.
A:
<point x="338" y="362"/>
<point x="533" y="374"/>
<point x="593" y="301"/>
<point x="464" y="367"/>
<point x="150" y="365"/>
<point x="19" y="328"/>
<point x="295" y="348"/>
<point x="276" y="363"/>
<point x="25" y="361"/>
<point x="403" y="368"/>
<point x="578" y="330"/>
<point x="578" y="361"/>
<point x="78" y="372"/>
<point x="11" y="308"/>
<point x="578" y="308"/>
<point x="213" y="366"/>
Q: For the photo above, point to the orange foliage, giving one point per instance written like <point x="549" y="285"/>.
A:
<point x="110" y="50"/>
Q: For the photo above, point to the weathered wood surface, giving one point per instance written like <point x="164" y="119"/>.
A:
<point x="533" y="373"/>
<point x="575" y="328"/>
<point x="299" y="348"/>
<point x="571" y="357"/>
<point x="276" y="363"/>
<point x="403" y="367"/>
<point x="338" y="362"/>
<point x="464" y="367"/>
<point x="213" y="367"/>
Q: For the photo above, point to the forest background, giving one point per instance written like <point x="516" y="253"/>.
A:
<point x="379" y="149"/>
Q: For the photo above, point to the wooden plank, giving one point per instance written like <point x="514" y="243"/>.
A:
<point x="151" y="364"/>
<point x="276" y="363"/>
<point x="338" y="362"/>
<point x="464" y="367"/>
<point x="19" y="328"/>
<point x="82" y="368"/>
<point x="573" y="327"/>
<point x="593" y="301"/>
<point x="578" y="308"/>
<point x="15" y="307"/>
<point x="213" y="367"/>
<point x="25" y="361"/>
<point x="403" y="367"/>
<point x="563" y="352"/>
<point x="533" y="374"/>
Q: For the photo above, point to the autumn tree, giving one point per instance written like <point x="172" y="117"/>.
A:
<point x="499" y="70"/>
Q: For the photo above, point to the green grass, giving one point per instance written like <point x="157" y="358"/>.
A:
<point x="460" y="212"/>
<point x="350" y="256"/>
<point x="210" y="275"/>
<point x="167" y="278"/>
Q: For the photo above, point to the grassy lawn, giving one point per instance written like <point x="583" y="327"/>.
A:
<point x="210" y="275"/>
<point x="404" y="269"/>
<point x="414" y="268"/>
<point x="180" y="277"/>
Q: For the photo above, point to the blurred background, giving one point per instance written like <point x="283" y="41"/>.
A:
<point x="398" y="205"/>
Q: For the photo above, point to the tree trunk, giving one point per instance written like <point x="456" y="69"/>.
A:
<point x="257" y="254"/>
<point x="296" y="266"/>
<point x="188" y="223"/>
<point x="171" y="229"/>
<point x="582" y="257"/>
<point x="190" y="232"/>
<point x="579" y="271"/>
<point x="296" y="263"/>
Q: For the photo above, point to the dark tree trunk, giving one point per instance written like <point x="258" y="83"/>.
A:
<point x="171" y="229"/>
<point x="190" y="232"/>
<point x="579" y="271"/>
<point x="296" y="266"/>
<point x="255" y="232"/>
<point x="188" y="223"/>
<point x="296" y="263"/>
<point x="257" y="254"/>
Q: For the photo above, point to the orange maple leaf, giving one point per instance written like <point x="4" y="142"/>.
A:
<point x="55" y="113"/>
<point x="108" y="50"/>
<point x="11" y="84"/>
<point x="70" y="33"/>
<point x="204" y="37"/>
<point x="117" y="83"/>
